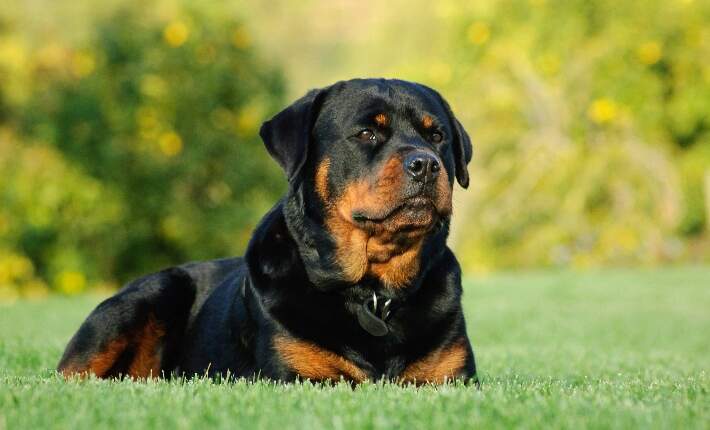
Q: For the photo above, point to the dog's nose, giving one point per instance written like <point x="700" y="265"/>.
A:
<point x="422" y="167"/>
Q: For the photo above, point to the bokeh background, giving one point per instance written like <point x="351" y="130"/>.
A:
<point x="129" y="129"/>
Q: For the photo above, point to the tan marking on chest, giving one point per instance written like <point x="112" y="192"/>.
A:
<point x="399" y="269"/>
<point x="314" y="362"/>
<point x="438" y="366"/>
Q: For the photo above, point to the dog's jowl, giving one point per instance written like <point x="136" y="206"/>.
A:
<point x="347" y="277"/>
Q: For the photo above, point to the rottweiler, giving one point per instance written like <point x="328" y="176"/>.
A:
<point x="348" y="277"/>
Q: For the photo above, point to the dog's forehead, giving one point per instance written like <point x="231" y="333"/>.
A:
<point x="353" y="98"/>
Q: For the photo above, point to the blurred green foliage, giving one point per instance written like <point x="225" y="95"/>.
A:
<point x="594" y="130"/>
<point x="137" y="149"/>
<point x="131" y="143"/>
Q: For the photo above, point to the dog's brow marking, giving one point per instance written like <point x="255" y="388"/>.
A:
<point x="427" y="121"/>
<point x="381" y="119"/>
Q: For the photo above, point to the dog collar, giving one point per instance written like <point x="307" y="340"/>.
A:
<point x="372" y="314"/>
<point x="372" y="317"/>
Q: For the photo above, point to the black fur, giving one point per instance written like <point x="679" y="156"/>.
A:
<point x="220" y="317"/>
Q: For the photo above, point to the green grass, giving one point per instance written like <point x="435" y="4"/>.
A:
<point x="620" y="348"/>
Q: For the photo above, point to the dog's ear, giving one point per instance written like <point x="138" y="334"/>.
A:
<point x="287" y="135"/>
<point x="463" y="150"/>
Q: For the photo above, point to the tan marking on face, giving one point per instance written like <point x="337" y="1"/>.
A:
<point x="438" y="366"/>
<point x="382" y="250"/>
<point x="354" y="245"/>
<point x="322" y="179"/>
<point x="427" y="121"/>
<point x="314" y="362"/>
<point x="444" y="192"/>
<point x="381" y="119"/>
<point x="351" y="248"/>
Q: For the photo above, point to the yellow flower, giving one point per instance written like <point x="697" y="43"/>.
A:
<point x="241" y="38"/>
<point x="478" y="33"/>
<point x="248" y="120"/>
<point x="176" y="33"/>
<point x="12" y="53"/>
<point x="14" y="268"/>
<point x="170" y="144"/>
<point x="5" y="277"/>
<point x="602" y="110"/>
<point x="82" y="64"/>
<point x="20" y="267"/>
<point x="71" y="282"/>
<point x="649" y="53"/>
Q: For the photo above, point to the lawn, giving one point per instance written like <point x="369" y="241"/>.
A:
<point x="618" y="348"/>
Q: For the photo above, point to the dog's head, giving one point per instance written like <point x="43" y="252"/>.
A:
<point x="378" y="158"/>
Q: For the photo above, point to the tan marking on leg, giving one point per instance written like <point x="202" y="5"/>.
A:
<point x="145" y="362"/>
<point x="100" y="363"/>
<point x="147" y="359"/>
<point x="313" y="362"/>
<point x="439" y="366"/>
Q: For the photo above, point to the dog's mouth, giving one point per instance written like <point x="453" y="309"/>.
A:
<point x="415" y="213"/>
<point x="417" y="203"/>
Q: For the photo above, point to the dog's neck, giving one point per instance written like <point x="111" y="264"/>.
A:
<point x="289" y="256"/>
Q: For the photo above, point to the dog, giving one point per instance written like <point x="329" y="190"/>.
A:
<point x="348" y="277"/>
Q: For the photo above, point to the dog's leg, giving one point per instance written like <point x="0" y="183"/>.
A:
<point x="135" y="333"/>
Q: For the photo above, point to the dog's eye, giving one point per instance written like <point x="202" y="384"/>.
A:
<point x="436" y="137"/>
<point x="368" y="135"/>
